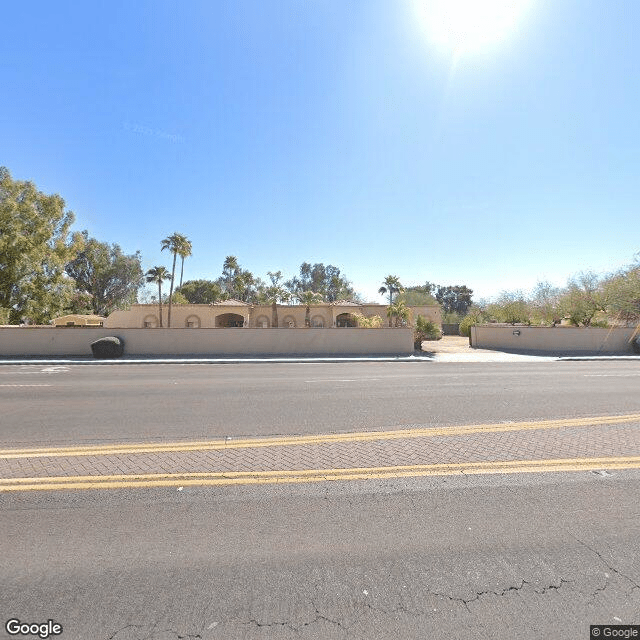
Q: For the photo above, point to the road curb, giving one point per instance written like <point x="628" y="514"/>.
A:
<point x="310" y="360"/>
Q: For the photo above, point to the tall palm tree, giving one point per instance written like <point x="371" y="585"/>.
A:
<point x="173" y="243"/>
<point x="390" y="286"/>
<point x="230" y="269"/>
<point x="307" y="298"/>
<point x="157" y="275"/>
<point x="274" y="294"/>
<point x="184" y="252"/>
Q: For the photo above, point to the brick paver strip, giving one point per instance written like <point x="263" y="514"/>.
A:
<point x="608" y="440"/>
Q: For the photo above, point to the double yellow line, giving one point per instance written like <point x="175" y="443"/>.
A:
<point x="315" y="475"/>
<point x="288" y="441"/>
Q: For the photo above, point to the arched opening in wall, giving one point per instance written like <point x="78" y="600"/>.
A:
<point x="346" y="320"/>
<point x="317" y="322"/>
<point x="230" y="320"/>
<point x="289" y="322"/>
<point x="262" y="322"/>
<point x="150" y="321"/>
<point x="192" y="322"/>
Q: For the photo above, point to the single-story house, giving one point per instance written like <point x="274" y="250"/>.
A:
<point x="234" y="313"/>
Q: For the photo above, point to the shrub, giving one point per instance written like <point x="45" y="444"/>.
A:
<point x="425" y="330"/>
<point x="475" y="316"/>
<point x="374" y="322"/>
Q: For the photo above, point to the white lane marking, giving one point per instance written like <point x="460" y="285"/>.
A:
<point x="55" y="369"/>
<point x="611" y="375"/>
<point x="343" y="379"/>
<point x="26" y="385"/>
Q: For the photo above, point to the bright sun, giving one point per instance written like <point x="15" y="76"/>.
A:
<point x="470" y="25"/>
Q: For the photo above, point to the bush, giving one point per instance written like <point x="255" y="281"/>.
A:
<point x="373" y="322"/>
<point x="466" y="324"/>
<point x="110" y="347"/>
<point x="425" y="330"/>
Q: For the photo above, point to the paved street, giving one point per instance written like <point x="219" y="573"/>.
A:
<point x="360" y="500"/>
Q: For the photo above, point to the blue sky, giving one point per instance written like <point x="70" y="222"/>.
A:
<point x="346" y="132"/>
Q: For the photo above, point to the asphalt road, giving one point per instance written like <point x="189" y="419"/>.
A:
<point x="505" y="557"/>
<point x="539" y="555"/>
<point x="79" y="404"/>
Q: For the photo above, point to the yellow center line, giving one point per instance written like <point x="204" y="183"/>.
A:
<point x="286" y="441"/>
<point x="316" y="475"/>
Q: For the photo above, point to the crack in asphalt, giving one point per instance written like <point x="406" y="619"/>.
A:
<point x="631" y="581"/>
<point x="366" y="606"/>
<point x="177" y="634"/>
<point x="479" y="594"/>
<point x="599" y="590"/>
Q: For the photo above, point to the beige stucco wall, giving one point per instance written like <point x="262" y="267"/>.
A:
<point x="205" y="315"/>
<point x="565" y="340"/>
<point x="76" y="341"/>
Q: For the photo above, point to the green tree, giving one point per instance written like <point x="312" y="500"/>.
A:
<point x="157" y="275"/>
<point x="173" y="243"/>
<point x="417" y="296"/>
<point x="34" y="248"/>
<point x="184" y="251"/>
<point x="307" y="298"/>
<point x="230" y="269"/>
<point x="390" y="286"/>
<point x="325" y="280"/>
<point x="201" y="291"/>
<point x="622" y="294"/>
<point x="274" y="294"/>
<point x="583" y="298"/>
<point x="475" y="315"/>
<point x="510" y="307"/>
<point x="545" y="304"/>
<point x="455" y="298"/>
<point x="399" y="312"/>
<point x="106" y="274"/>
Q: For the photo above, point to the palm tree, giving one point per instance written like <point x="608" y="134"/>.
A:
<point x="174" y="243"/>
<point x="157" y="275"/>
<point x="184" y="252"/>
<point x="230" y="269"/>
<point x="391" y="285"/>
<point x="274" y="294"/>
<point x="308" y="298"/>
<point x="399" y="311"/>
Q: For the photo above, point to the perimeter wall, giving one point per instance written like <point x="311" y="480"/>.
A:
<point x="558" y="340"/>
<point x="76" y="341"/>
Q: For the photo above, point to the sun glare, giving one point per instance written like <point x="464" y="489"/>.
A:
<point x="470" y="25"/>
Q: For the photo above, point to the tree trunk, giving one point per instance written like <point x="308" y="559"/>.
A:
<point x="160" y="301"/>
<point x="173" y="273"/>
<point x="274" y="315"/>
<point x="307" y="318"/>
<point x="181" y="271"/>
